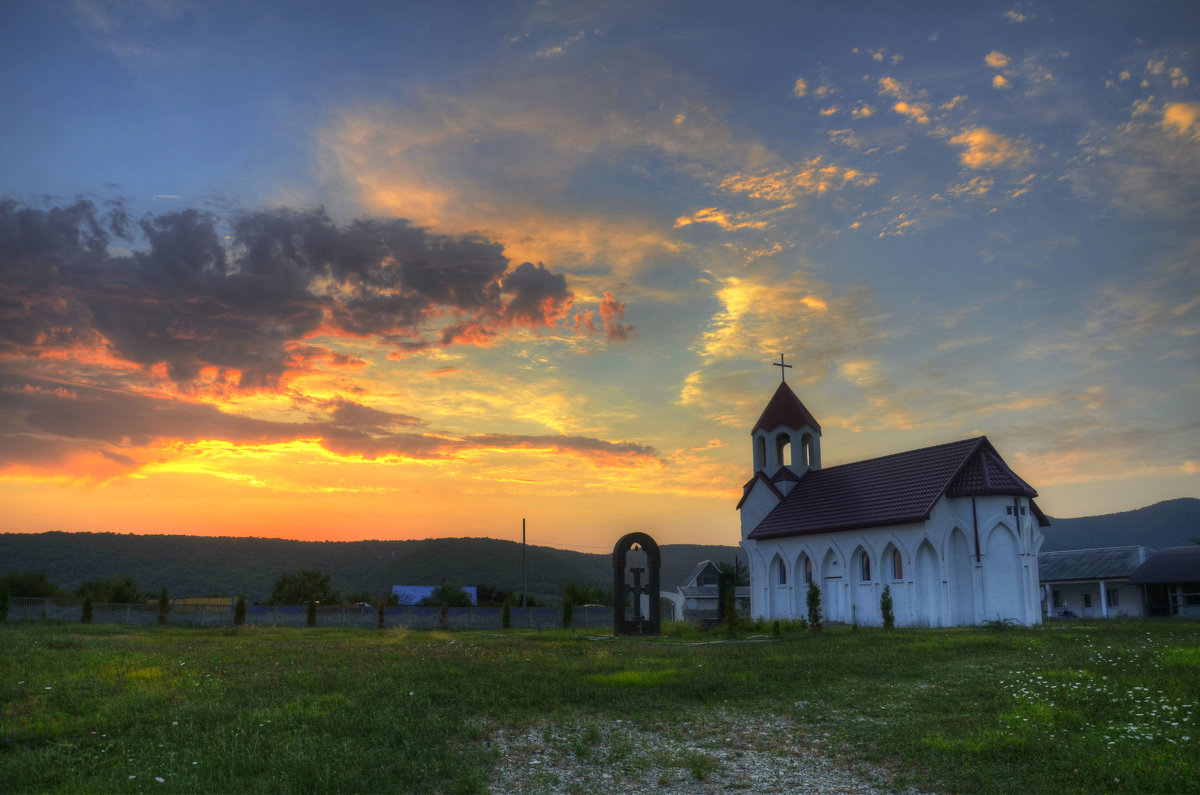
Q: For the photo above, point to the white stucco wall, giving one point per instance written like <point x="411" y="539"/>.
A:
<point x="946" y="579"/>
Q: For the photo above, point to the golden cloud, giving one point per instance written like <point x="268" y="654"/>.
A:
<point x="787" y="185"/>
<point x="800" y="88"/>
<point x="1182" y="119"/>
<point x="913" y="110"/>
<point x="996" y="59"/>
<point x="711" y="215"/>
<point x="986" y="149"/>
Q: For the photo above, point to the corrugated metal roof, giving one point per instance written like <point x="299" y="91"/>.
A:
<point x="896" y="489"/>
<point x="1090" y="564"/>
<point x="1171" y="565"/>
<point x="784" y="408"/>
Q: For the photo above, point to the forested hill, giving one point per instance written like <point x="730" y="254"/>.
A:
<point x="1171" y="523"/>
<point x="207" y="566"/>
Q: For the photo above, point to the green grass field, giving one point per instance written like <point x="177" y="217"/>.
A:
<point x="1071" y="707"/>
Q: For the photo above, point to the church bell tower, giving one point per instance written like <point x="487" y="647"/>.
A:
<point x="786" y="435"/>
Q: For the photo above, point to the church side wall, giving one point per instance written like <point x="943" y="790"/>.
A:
<point x="983" y="563"/>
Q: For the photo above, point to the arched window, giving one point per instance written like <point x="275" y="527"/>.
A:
<point x="760" y="453"/>
<point x="782" y="573"/>
<point x="783" y="449"/>
<point x="865" y="567"/>
<point x="806" y="449"/>
<point x="807" y="566"/>
<point x="897" y="565"/>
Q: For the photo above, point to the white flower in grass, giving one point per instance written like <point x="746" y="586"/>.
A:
<point x="160" y="779"/>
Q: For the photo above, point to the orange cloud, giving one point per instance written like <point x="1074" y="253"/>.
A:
<point x="986" y="149"/>
<point x="1182" y="119"/>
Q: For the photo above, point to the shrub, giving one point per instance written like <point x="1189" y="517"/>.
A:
<point x="885" y="607"/>
<point x="4" y="599"/>
<point x="1000" y="624"/>
<point x="164" y="606"/>
<point x="239" y="611"/>
<point x="86" y="618"/>
<point x="381" y="612"/>
<point x="814" y="607"/>
<point x="776" y="631"/>
<point x="568" y="609"/>
<point x="312" y="613"/>
<point x="506" y="615"/>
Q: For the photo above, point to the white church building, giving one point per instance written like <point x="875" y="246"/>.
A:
<point x="951" y="529"/>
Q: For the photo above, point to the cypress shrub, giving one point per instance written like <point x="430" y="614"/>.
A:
<point x="814" y="607"/>
<point x="568" y="612"/>
<point x="312" y="613"/>
<point x="506" y="615"/>
<point x="239" y="611"/>
<point x="379" y="614"/>
<point x="885" y="607"/>
<point x="164" y="606"/>
<point x="87" y="611"/>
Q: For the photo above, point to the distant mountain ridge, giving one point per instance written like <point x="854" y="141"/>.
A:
<point x="1171" y="523"/>
<point x="223" y="566"/>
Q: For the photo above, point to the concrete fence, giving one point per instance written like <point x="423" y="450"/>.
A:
<point x="33" y="609"/>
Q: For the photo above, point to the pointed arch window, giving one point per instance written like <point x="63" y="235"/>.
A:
<point x="783" y="450"/>
<point x="782" y="573"/>
<point x="864" y="567"/>
<point x="897" y="565"/>
<point x="806" y="567"/>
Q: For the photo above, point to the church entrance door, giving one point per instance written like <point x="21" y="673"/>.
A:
<point x="833" y="608"/>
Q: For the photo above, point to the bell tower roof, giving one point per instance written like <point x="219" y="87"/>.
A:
<point x="785" y="409"/>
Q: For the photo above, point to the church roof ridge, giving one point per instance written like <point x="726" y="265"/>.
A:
<point x="784" y="408"/>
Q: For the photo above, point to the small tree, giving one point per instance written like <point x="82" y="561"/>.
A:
<point x="239" y="611"/>
<point x="814" y="607"/>
<point x="380" y="612"/>
<point x="86" y="618"/>
<point x="885" y="607"/>
<point x="164" y="606"/>
<point x="568" y="609"/>
<point x="506" y="615"/>
<point x="446" y="596"/>
<point x="309" y="585"/>
<point x="4" y="599"/>
<point x="312" y="613"/>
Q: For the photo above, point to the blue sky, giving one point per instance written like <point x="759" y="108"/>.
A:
<point x="953" y="219"/>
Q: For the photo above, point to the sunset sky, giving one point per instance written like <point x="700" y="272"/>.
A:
<point x="404" y="270"/>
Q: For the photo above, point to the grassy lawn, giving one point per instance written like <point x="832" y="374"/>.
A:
<point x="1072" y="707"/>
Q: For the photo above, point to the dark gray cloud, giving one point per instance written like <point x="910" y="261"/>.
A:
<point x="190" y="300"/>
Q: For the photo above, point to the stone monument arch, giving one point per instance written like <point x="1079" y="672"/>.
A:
<point x="637" y="624"/>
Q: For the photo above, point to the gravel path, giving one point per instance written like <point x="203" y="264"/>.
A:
<point x="721" y="753"/>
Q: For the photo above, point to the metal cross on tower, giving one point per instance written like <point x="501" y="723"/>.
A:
<point x="782" y="370"/>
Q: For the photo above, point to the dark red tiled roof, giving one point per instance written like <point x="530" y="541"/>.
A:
<point x="785" y="408"/>
<point x="986" y="473"/>
<point x="895" y="489"/>
<point x="785" y="474"/>
<point x="750" y="485"/>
